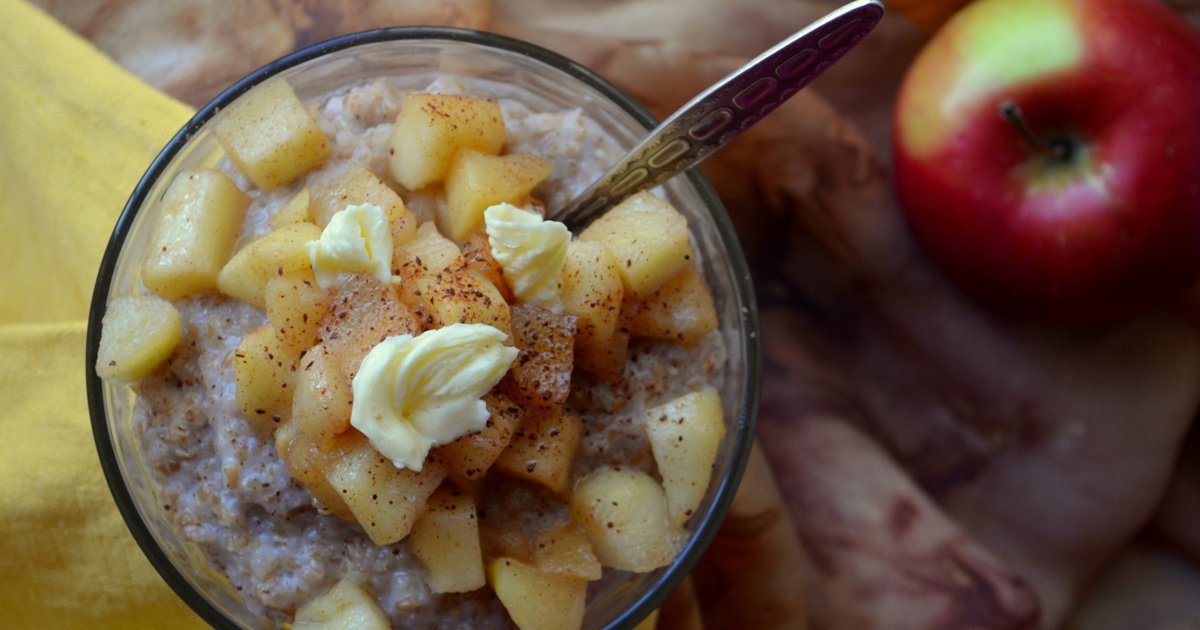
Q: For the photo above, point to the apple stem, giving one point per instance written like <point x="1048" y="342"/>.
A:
<point x="1057" y="151"/>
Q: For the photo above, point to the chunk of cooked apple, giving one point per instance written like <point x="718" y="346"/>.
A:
<point x="432" y="128"/>
<point x="476" y="181"/>
<point x="566" y="550"/>
<point x="346" y="606"/>
<point x="138" y="333"/>
<point x="357" y="186"/>
<point x="262" y="372"/>
<point x="427" y="253"/>
<point x="459" y="295"/>
<point x="624" y="513"/>
<point x="322" y="396"/>
<point x="308" y="461"/>
<point x="685" y="434"/>
<point x="537" y="600"/>
<point x="471" y="456"/>
<point x="386" y="501"/>
<point x="541" y="375"/>
<point x="279" y="253"/>
<point x="363" y="311"/>
<point x="592" y="291"/>
<point x="477" y="256"/>
<point x="647" y="237"/>
<point x="270" y="136"/>
<point x="295" y="306"/>
<point x="681" y="310"/>
<point x="543" y="449"/>
<point x="446" y="541"/>
<point x="201" y="216"/>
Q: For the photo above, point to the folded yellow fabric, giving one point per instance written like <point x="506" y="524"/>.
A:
<point x="76" y="133"/>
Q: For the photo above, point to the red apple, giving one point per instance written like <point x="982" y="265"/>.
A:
<point x="1082" y="205"/>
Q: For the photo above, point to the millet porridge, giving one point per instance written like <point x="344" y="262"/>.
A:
<point x="223" y="482"/>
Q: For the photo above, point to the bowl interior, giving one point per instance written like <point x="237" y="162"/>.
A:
<point x="545" y="81"/>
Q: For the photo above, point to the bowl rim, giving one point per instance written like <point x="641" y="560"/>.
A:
<point x="674" y="573"/>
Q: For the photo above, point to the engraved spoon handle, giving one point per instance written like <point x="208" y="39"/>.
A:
<point x="726" y="109"/>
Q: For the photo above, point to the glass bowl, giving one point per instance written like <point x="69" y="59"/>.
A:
<point x="550" y="81"/>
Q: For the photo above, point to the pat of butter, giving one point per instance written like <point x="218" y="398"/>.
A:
<point x="530" y="251"/>
<point x="414" y="393"/>
<point x="357" y="240"/>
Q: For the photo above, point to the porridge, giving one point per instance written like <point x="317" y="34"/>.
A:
<point x="372" y="377"/>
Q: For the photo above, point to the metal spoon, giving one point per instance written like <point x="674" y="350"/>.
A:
<point x="726" y="109"/>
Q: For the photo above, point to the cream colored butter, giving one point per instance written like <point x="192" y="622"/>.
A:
<point x="530" y="251"/>
<point x="357" y="240"/>
<point x="413" y="393"/>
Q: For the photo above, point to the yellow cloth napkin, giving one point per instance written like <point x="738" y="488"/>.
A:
<point x="76" y="133"/>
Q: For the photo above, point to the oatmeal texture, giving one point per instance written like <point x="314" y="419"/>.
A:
<point x="226" y="488"/>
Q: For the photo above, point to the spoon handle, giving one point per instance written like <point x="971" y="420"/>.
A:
<point x="726" y="109"/>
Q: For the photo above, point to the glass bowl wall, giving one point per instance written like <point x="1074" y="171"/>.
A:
<point x="547" y="82"/>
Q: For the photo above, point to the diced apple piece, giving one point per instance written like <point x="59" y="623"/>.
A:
<point x="296" y="210"/>
<point x="463" y="296"/>
<point x="592" y="291"/>
<point x="681" y="310"/>
<point x="344" y="607"/>
<point x="543" y="449"/>
<point x="309" y="462"/>
<point x="322" y="398"/>
<point x="536" y="600"/>
<point x="446" y="540"/>
<point x="427" y="253"/>
<point x="385" y="500"/>
<point x="472" y="455"/>
<point x="262" y="372"/>
<point x="357" y="186"/>
<point x="476" y="181"/>
<point x="270" y="136"/>
<point x="624" y="513"/>
<point x="295" y="307"/>
<point x="403" y="228"/>
<point x="202" y="213"/>
<point x="432" y="128"/>
<point x="362" y="313"/>
<point x="244" y="279"/>
<point x="413" y="297"/>
<point x="685" y="434"/>
<point x="280" y="253"/>
<point x="541" y="375"/>
<point x="138" y="333"/>
<point x="647" y="237"/>
<point x="477" y="256"/>
<point x="566" y="550"/>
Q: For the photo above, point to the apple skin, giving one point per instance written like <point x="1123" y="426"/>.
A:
<point x="1113" y="228"/>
